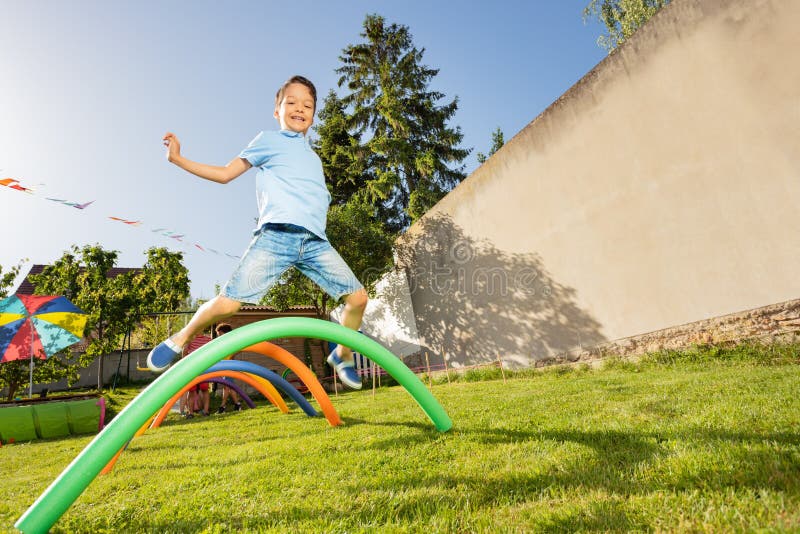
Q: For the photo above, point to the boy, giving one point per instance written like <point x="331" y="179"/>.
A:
<point x="222" y="329"/>
<point x="293" y="205"/>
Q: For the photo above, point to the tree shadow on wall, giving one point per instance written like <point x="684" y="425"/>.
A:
<point x="476" y="302"/>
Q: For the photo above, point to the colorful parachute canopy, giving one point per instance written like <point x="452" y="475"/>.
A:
<point x="68" y="203"/>
<point x="38" y="326"/>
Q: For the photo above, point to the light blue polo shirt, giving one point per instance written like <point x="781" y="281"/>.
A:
<point x="290" y="186"/>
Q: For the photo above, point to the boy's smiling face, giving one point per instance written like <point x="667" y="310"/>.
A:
<point x="296" y="110"/>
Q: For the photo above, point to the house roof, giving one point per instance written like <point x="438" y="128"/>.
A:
<point x="26" y="287"/>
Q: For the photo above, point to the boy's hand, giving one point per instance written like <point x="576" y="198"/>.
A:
<point x="173" y="147"/>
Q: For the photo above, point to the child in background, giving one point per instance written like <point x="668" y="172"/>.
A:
<point x="199" y="398"/>
<point x="221" y="329"/>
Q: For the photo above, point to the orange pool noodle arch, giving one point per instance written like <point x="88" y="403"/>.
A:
<point x="263" y="387"/>
<point x="283" y="356"/>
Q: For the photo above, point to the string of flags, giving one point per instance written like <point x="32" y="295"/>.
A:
<point x="15" y="184"/>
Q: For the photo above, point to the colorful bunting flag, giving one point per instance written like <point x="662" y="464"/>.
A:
<point x="132" y="223"/>
<point x="15" y="184"/>
<point x="68" y="203"/>
<point x="79" y="206"/>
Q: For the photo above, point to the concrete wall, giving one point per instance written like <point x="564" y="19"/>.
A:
<point x="662" y="189"/>
<point x="389" y="317"/>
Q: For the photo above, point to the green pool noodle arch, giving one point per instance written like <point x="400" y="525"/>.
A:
<point x="77" y="476"/>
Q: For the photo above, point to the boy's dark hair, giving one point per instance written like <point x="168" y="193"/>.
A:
<point x="223" y="328"/>
<point x="296" y="79"/>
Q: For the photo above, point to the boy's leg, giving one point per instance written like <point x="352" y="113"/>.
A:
<point x="324" y="266"/>
<point x="225" y="394"/>
<point x="182" y="404"/>
<point x="212" y="311"/>
<point x="341" y="359"/>
<point x="235" y="398"/>
<point x="354" y="305"/>
<point x="216" y="309"/>
<point x="192" y="400"/>
<point x="206" y="401"/>
<point x="187" y="408"/>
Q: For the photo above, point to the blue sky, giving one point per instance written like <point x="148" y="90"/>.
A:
<point x="88" y="88"/>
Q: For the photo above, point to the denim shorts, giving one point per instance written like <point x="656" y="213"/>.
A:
<point x="277" y="247"/>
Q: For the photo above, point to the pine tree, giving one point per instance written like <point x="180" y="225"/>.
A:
<point x="337" y="148"/>
<point x="411" y="157"/>
<point x="497" y="143"/>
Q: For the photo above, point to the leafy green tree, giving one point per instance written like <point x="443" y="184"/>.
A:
<point x="497" y="144"/>
<point x="621" y="18"/>
<point x="113" y="305"/>
<point x="7" y="278"/>
<point x="162" y="285"/>
<point x="407" y="149"/>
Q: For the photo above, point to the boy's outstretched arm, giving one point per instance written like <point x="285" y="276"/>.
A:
<point x="215" y="173"/>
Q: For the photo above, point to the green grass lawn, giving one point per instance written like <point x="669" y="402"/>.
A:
<point x="707" y="440"/>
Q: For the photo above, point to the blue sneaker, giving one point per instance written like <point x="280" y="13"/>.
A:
<point x="346" y="371"/>
<point x="160" y="357"/>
